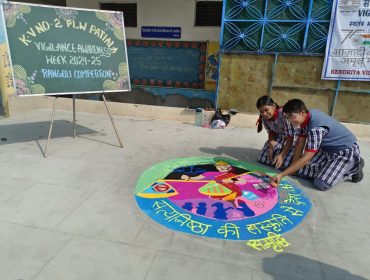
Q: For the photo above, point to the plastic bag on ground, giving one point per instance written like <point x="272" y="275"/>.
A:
<point x="218" y="124"/>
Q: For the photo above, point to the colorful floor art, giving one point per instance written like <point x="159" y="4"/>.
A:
<point x="219" y="198"/>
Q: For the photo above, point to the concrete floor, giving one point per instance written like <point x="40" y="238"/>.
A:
<point x="73" y="214"/>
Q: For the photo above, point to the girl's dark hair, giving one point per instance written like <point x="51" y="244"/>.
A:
<point x="294" y="106"/>
<point x="264" y="101"/>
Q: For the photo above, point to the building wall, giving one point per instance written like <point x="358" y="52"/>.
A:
<point x="244" y="78"/>
<point x="176" y="13"/>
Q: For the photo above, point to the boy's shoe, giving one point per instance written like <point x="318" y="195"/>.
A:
<point x="357" y="177"/>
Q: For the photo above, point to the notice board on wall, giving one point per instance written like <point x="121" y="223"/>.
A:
<point x="57" y="50"/>
<point x="178" y="64"/>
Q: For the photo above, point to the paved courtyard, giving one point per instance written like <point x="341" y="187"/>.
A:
<point x="73" y="214"/>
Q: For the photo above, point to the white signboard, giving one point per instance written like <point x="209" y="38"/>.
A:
<point x="347" y="55"/>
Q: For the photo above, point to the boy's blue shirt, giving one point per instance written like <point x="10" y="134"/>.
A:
<point x="338" y="138"/>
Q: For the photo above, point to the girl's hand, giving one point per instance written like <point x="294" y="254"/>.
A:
<point x="279" y="160"/>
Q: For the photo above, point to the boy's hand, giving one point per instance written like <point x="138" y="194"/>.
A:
<point x="275" y="181"/>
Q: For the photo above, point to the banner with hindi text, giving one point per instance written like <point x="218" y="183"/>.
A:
<point x="347" y="55"/>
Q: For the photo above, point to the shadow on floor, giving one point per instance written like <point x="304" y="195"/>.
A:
<point x="33" y="131"/>
<point x="235" y="152"/>
<point x="290" y="266"/>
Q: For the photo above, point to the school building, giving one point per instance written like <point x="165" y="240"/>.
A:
<point x="242" y="71"/>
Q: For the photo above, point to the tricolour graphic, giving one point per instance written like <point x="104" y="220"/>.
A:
<point x="347" y="55"/>
<point x="219" y="198"/>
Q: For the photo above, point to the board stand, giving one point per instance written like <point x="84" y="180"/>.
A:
<point x="74" y="120"/>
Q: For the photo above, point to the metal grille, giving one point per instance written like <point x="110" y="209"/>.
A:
<point x="275" y="26"/>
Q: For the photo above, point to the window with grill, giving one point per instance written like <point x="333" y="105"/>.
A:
<point x="129" y="11"/>
<point x="208" y="13"/>
<point x="276" y="26"/>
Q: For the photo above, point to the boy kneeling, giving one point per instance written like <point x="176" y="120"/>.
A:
<point x="331" y="152"/>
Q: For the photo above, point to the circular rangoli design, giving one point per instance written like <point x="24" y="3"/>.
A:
<point x="219" y="198"/>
